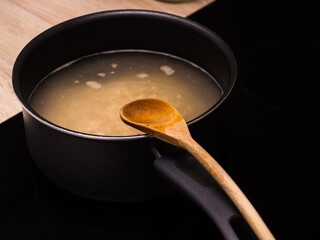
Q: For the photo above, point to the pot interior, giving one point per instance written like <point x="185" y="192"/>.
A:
<point x="117" y="30"/>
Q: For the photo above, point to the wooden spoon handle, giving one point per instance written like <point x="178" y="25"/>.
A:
<point x="230" y="187"/>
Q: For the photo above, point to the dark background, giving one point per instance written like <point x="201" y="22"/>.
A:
<point x="273" y="124"/>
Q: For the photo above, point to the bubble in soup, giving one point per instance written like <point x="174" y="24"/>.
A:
<point x="86" y="95"/>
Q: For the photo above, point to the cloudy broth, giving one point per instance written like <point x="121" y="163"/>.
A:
<point x="87" y="94"/>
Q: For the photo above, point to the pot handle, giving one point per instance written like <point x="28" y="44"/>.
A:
<point x="187" y="174"/>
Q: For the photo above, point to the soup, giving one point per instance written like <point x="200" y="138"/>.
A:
<point x="86" y="95"/>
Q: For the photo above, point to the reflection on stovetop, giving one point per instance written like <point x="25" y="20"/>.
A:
<point x="32" y="207"/>
<point x="61" y="215"/>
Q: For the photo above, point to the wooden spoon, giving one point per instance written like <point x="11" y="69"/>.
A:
<point x="161" y="120"/>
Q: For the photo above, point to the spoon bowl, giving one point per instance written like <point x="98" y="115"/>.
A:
<point x="156" y="118"/>
<point x="149" y="111"/>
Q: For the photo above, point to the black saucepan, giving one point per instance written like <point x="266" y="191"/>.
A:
<point x="126" y="168"/>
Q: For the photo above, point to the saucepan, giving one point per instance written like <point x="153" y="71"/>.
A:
<point x="127" y="168"/>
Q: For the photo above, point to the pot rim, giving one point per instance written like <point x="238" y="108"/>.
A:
<point x="68" y="24"/>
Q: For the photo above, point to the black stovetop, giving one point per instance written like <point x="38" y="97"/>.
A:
<point x="274" y="111"/>
<point x="270" y="144"/>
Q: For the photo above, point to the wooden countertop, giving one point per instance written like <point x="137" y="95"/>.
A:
<point x="22" y="20"/>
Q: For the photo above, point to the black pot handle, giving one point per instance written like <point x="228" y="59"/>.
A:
<point x="186" y="173"/>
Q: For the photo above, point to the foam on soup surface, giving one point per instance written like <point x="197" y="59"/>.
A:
<point x="87" y="94"/>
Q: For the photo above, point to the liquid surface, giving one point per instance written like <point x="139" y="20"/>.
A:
<point x="87" y="94"/>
